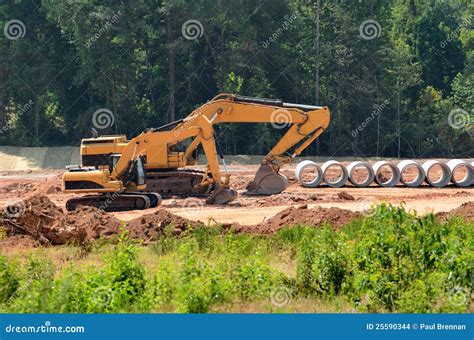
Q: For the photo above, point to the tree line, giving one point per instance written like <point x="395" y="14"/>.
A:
<point x="397" y="75"/>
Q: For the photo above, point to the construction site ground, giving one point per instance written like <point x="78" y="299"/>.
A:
<point x="260" y="214"/>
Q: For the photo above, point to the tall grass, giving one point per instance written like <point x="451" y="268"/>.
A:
<point x="390" y="261"/>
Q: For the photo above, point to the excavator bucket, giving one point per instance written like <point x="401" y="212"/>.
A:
<point x="267" y="181"/>
<point x="222" y="195"/>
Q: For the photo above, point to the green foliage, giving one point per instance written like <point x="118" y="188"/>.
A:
<point x="9" y="280"/>
<point x="80" y="56"/>
<point x="391" y="260"/>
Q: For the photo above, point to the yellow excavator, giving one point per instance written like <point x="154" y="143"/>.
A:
<point x="121" y="174"/>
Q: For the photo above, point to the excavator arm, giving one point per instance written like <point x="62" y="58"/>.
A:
<point x="305" y="123"/>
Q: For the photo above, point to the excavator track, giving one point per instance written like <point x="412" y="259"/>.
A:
<point x="116" y="202"/>
<point x="181" y="183"/>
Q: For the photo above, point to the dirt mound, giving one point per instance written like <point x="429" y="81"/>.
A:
<point x="302" y="215"/>
<point x="36" y="216"/>
<point x="465" y="210"/>
<point x="42" y="220"/>
<point x="148" y="227"/>
<point x="95" y="222"/>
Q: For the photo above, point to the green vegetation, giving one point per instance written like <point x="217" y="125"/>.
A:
<point x="403" y="78"/>
<point x="390" y="261"/>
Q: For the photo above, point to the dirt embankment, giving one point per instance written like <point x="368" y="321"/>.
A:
<point x="301" y="215"/>
<point x="38" y="220"/>
<point x="44" y="222"/>
<point x="466" y="210"/>
<point x="150" y="226"/>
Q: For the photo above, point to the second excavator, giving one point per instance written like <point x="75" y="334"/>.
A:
<point x="121" y="174"/>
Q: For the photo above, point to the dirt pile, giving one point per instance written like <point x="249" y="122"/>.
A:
<point x="95" y="222"/>
<point x="302" y="215"/>
<point x="465" y="210"/>
<point x="150" y="226"/>
<point x="42" y="220"/>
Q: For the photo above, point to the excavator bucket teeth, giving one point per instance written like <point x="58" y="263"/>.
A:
<point x="222" y="196"/>
<point x="267" y="181"/>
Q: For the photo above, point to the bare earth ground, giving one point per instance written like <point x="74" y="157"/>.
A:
<point x="251" y="209"/>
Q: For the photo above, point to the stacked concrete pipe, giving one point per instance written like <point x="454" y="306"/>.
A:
<point x="305" y="165"/>
<point x="407" y="164"/>
<point x="377" y="167"/>
<point x="341" y="181"/>
<point x="448" y="172"/>
<point x="352" y="176"/>
<point x="455" y="165"/>
<point x="445" y="173"/>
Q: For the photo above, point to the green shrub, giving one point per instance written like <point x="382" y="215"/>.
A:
<point x="36" y="285"/>
<point x="9" y="280"/>
<point x="251" y="279"/>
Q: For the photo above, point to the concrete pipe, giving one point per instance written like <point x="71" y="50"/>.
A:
<point x="443" y="180"/>
<point x="302" y="177"/>
<point x="380" y="178"/>
<point x="353" y="176"/>
<point x="405" y="177"/>
<point x="456" y="166"/>
<point x="339" y="181"/>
